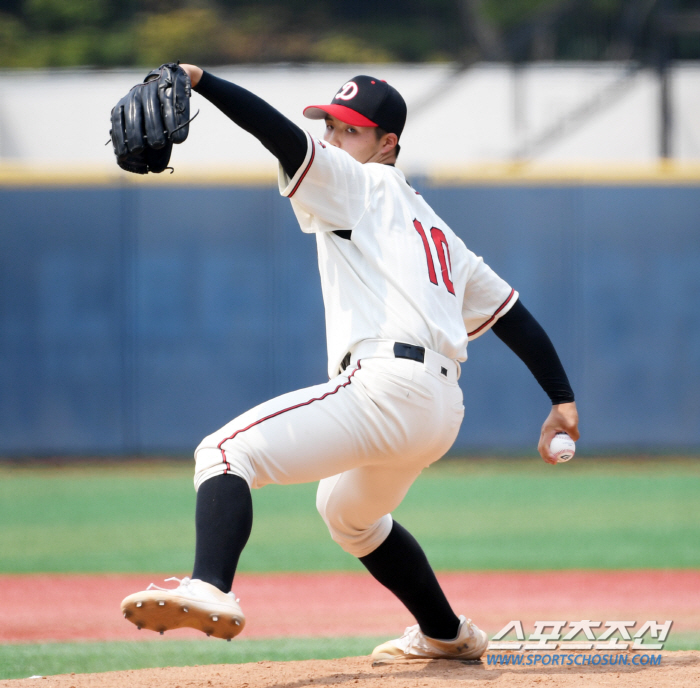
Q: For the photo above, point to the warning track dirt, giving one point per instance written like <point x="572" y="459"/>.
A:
<point x="50" y="608"/>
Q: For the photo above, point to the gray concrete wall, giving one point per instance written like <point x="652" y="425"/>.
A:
<point x="545" y="112"/>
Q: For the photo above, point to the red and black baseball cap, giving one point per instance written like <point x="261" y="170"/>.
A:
<point x="365" y="102"/>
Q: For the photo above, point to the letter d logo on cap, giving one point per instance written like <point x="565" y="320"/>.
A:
<point x="348" y="91"/>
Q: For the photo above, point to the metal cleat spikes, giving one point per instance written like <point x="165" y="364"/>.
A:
<point x="139" y="604"/>
<point x="214" y="618"/>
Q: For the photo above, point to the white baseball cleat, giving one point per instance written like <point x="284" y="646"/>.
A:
<point x="471" y="642"/>
<point x="193" y="604"/>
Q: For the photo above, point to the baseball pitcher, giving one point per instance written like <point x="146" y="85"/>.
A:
<point x="403" y="296"/>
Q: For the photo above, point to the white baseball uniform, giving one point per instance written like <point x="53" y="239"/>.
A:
<point x="403" y="276"/>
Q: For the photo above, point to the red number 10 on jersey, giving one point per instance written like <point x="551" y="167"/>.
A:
<point x="441" y="247"/>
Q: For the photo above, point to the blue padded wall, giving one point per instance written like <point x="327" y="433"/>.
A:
<point x="138" y="320"/>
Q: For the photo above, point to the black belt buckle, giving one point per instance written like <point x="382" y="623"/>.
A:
<point x="410" y="351"/>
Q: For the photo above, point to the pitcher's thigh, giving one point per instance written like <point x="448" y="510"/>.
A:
<point x="302" y="436"/>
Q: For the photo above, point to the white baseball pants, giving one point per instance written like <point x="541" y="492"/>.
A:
<point x="365" y="435"/>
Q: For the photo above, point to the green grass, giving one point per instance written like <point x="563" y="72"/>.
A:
<point x="683" y="641"/>
<point x="22" y="661"/>
<point x="48" y="659"/>
<point x="474" y="515"/>
<point x="615" y="515"/>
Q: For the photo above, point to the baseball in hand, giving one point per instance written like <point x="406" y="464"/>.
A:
<point x="562" y="447"/>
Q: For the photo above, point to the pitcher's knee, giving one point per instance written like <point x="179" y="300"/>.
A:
<point x="347" y="527"/>
<point x="211" y="461"/>
<point x="360" y="543"/>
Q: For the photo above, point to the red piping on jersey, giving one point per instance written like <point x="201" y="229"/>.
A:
<point x="493" y="317"/>
<point x="303" y="174"/>
<point x="278" y="413"/>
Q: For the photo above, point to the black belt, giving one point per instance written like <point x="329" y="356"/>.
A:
<point x="410" y="351"/>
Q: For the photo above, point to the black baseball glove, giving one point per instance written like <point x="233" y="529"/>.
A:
<point x="150" y="118"/>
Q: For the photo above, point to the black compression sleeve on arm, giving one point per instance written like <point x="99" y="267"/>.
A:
<point x="519" y="330"/>
<point x="284" y="139"/>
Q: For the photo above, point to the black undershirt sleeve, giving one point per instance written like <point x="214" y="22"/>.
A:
<point x="523" y="335"/>
<point x="284" y="139"/>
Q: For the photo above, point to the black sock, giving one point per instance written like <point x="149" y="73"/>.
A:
<point x="400" y="565"/>
<point x="223" y="520"/>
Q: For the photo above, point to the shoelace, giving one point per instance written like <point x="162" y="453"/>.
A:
<point x="415" y="640"/>
<point x="412" y="636"/>
<point x="182" y="581"/>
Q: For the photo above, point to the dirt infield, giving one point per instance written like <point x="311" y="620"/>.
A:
<point x="38" y="608"/>
<point x="677" y="670"/>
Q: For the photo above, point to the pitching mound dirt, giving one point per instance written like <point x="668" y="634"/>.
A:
<point x="677" y="669"/>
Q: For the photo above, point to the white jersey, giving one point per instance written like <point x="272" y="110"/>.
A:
<point x="404" y="275"/>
